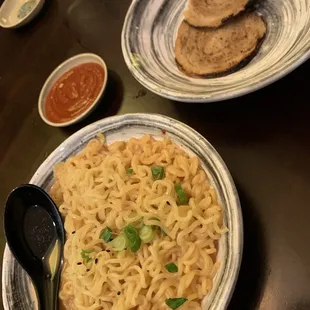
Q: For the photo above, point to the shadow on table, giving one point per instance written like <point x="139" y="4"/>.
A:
<point x="262" y="115"/>
<point x="109" y="104"/>
<point x="252" y="275"/>
<point x="96" y="26"/>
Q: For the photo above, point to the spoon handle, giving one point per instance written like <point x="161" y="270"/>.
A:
<point x="47" y="294"/>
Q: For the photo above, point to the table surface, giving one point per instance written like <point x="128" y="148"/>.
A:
<point x="262" y="137"/>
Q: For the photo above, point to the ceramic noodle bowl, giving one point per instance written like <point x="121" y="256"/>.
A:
<point x="18" y="293"/>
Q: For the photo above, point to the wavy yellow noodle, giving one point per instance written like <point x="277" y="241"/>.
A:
<point x="94" y="191"/>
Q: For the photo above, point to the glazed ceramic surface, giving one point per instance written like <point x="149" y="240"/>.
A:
<point x="149" y="35"/>
<point x="16" y="13"/>
<point x="18" y="292"/>
<point x="57" y="73"/>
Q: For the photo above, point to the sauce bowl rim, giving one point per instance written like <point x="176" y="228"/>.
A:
<point x="48" y="85"/>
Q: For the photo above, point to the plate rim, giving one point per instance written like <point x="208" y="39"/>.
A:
<point x="173" y="95"/>
<point x="140" y="119"/>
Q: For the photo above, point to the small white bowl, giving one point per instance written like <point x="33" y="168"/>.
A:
<point x="10" y="9"/>
<point x="57" y="73"/>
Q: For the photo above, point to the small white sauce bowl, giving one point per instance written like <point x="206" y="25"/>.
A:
<point x="9" y="13"/>
<point x="57" y="73"/>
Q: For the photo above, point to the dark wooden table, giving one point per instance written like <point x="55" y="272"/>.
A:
<point x="263" y="138"/>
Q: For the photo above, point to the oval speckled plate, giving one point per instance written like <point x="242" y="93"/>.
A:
<point x="17" y="291"/>
<point x="149" y="35"/>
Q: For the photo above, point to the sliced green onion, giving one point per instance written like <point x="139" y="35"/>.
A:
<point x="131" y="232"/>
<point x="129" y="171"/>
<point x="158" y="172"/>
<point x="182" y="196"/>
<point x="132" y="235"/>
<point x="106" y="235"/>
<point x="147" y="233"/>
<point x="172" y="267"/>
<point x="84" y="255"/>
<point x="119" y="243"/>
<point x="174" y="303"/>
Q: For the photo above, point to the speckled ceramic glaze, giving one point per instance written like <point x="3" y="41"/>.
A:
<point x="18" y="292"/>
<point x="16" y="13"/>
<point x="149" y="35"/>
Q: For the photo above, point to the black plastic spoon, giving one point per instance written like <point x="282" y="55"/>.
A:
<point x="35" y="235"/>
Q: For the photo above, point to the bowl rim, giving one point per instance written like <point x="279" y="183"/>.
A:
<point x="43" y="177"/>
<point x="36" y="9"/>
<point x="173" y="95"/>
<point x="45" y="88"/>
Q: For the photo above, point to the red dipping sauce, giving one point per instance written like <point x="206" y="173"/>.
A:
<point x="74" y="92"/>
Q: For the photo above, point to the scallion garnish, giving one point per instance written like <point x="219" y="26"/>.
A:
<point x="147" y="233"/>
<point x="129" y="171"/>
<point x="182" y="196"/>
<point x="84" y="254"/>
<point x="172" y="267"/>
<point x="132" y="235"/>
<point x="106" y="235"/>
<point x="119" y="243"/>
<point x="174" y="303"/>
<point x="158" y="172"/>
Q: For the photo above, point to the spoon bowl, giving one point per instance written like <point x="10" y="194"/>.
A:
<point x="35" y="235"/>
